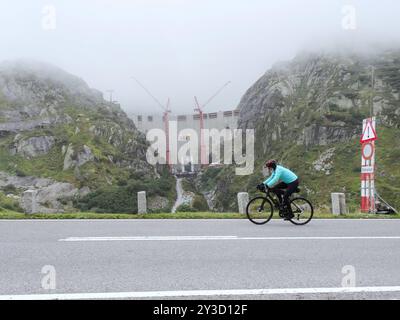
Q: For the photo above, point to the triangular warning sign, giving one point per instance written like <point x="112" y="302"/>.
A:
<point x="369" y="133"/>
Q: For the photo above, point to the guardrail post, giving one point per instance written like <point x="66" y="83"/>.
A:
<point x="243" y="200"/>
<point x="142" y="202"/>
<point x="338" y="204"/>
<point x="28" y="201"/>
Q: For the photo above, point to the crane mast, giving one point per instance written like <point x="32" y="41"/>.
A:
<point x="199" y="109"/>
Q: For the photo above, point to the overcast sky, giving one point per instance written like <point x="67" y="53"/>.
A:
<point x="179" y="48"/>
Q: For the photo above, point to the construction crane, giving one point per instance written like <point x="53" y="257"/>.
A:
<point x="199" y="109"/>
<point x="167" y="111"/>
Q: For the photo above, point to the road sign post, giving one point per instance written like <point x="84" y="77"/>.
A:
<point x="368" y="139"/>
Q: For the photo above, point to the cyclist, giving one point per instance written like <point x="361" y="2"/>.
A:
<point x="283" y="182"/>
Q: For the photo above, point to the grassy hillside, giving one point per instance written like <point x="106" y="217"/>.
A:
<point x="344" y="175"/>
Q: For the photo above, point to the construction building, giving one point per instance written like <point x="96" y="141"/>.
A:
<point x="214" y="120"/>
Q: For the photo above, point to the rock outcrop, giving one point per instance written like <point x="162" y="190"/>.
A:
<point x="77" y="158"/>
<point x="40" y="195"/>
<point x="32" y="147"/>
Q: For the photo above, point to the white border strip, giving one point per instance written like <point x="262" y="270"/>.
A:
<point x="217" y="238"/>
<point x="196" y="293"/>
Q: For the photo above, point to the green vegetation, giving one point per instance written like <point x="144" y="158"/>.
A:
<point x="343" y="176"/>
<point x="188" y="185"/>
<point x="208" y="177"/>
<point x="6" y="214"/>
<point x="122" y="197"/>
<point x="114" y="186"/>
<point x="185" y="208"/>
<point x="8" y="203"/>
<point x="199" y="203"/>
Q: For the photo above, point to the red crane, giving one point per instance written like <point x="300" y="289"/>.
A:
<point x="199" y="109"/>
<point x="167" y="111"/>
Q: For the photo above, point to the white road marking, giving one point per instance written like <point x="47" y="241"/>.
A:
<point x="194" y="293"/>
<point x="150" y="238"/>
<point x="218" y="238"/>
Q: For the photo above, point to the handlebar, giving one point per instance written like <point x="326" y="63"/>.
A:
<point x="265" y="189"/>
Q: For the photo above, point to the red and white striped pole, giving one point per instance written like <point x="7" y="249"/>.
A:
<point x="368" y="166"/>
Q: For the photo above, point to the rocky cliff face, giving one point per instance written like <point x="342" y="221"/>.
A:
<point x="320" y="99"/>
<point x="53" y="126"/>
<point x="307" y="113"/>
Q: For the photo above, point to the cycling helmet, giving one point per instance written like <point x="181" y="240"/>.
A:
<point x="271" y="164"/>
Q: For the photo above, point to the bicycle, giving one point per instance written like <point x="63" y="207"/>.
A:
<point x="260" y="210"/>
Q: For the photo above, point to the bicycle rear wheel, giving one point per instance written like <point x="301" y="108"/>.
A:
<point x="303" y="211"/>
<point x="259" y="210"/>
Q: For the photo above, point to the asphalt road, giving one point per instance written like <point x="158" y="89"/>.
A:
<point x="158" y="256"/>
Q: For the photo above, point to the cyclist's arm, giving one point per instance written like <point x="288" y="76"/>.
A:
<point x="274" y="178"/>
<point x="269" y="178"/>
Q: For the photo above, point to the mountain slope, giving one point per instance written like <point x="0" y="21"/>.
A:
<point x="307" y="113"/>
<point x="53" y="126"/>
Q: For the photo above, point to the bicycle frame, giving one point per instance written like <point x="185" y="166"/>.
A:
<point x="273" y="199"/>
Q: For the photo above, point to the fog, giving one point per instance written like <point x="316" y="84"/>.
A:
<point x="179" y="49"/>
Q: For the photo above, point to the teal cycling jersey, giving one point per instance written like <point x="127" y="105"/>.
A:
<point x="281" y="174"/>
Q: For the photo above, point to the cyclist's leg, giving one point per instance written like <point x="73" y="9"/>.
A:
<point x="279" y="190"/>
<point x="291" y="188"/>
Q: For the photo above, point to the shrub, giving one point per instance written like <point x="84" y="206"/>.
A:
<point x="121" y="182"/>
<point x="10" y="189"/>
<point x="200" y="204"/>
<point x="185" y="208"/>
<point x="20" y="173"/>
<point x="9" y="203"/>
<point x="188" y="185"/>
<point x="111" y="199"/>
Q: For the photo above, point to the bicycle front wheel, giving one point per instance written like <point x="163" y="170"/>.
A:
<point x="303" y="211"/>
<point x="259" y="210"/>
